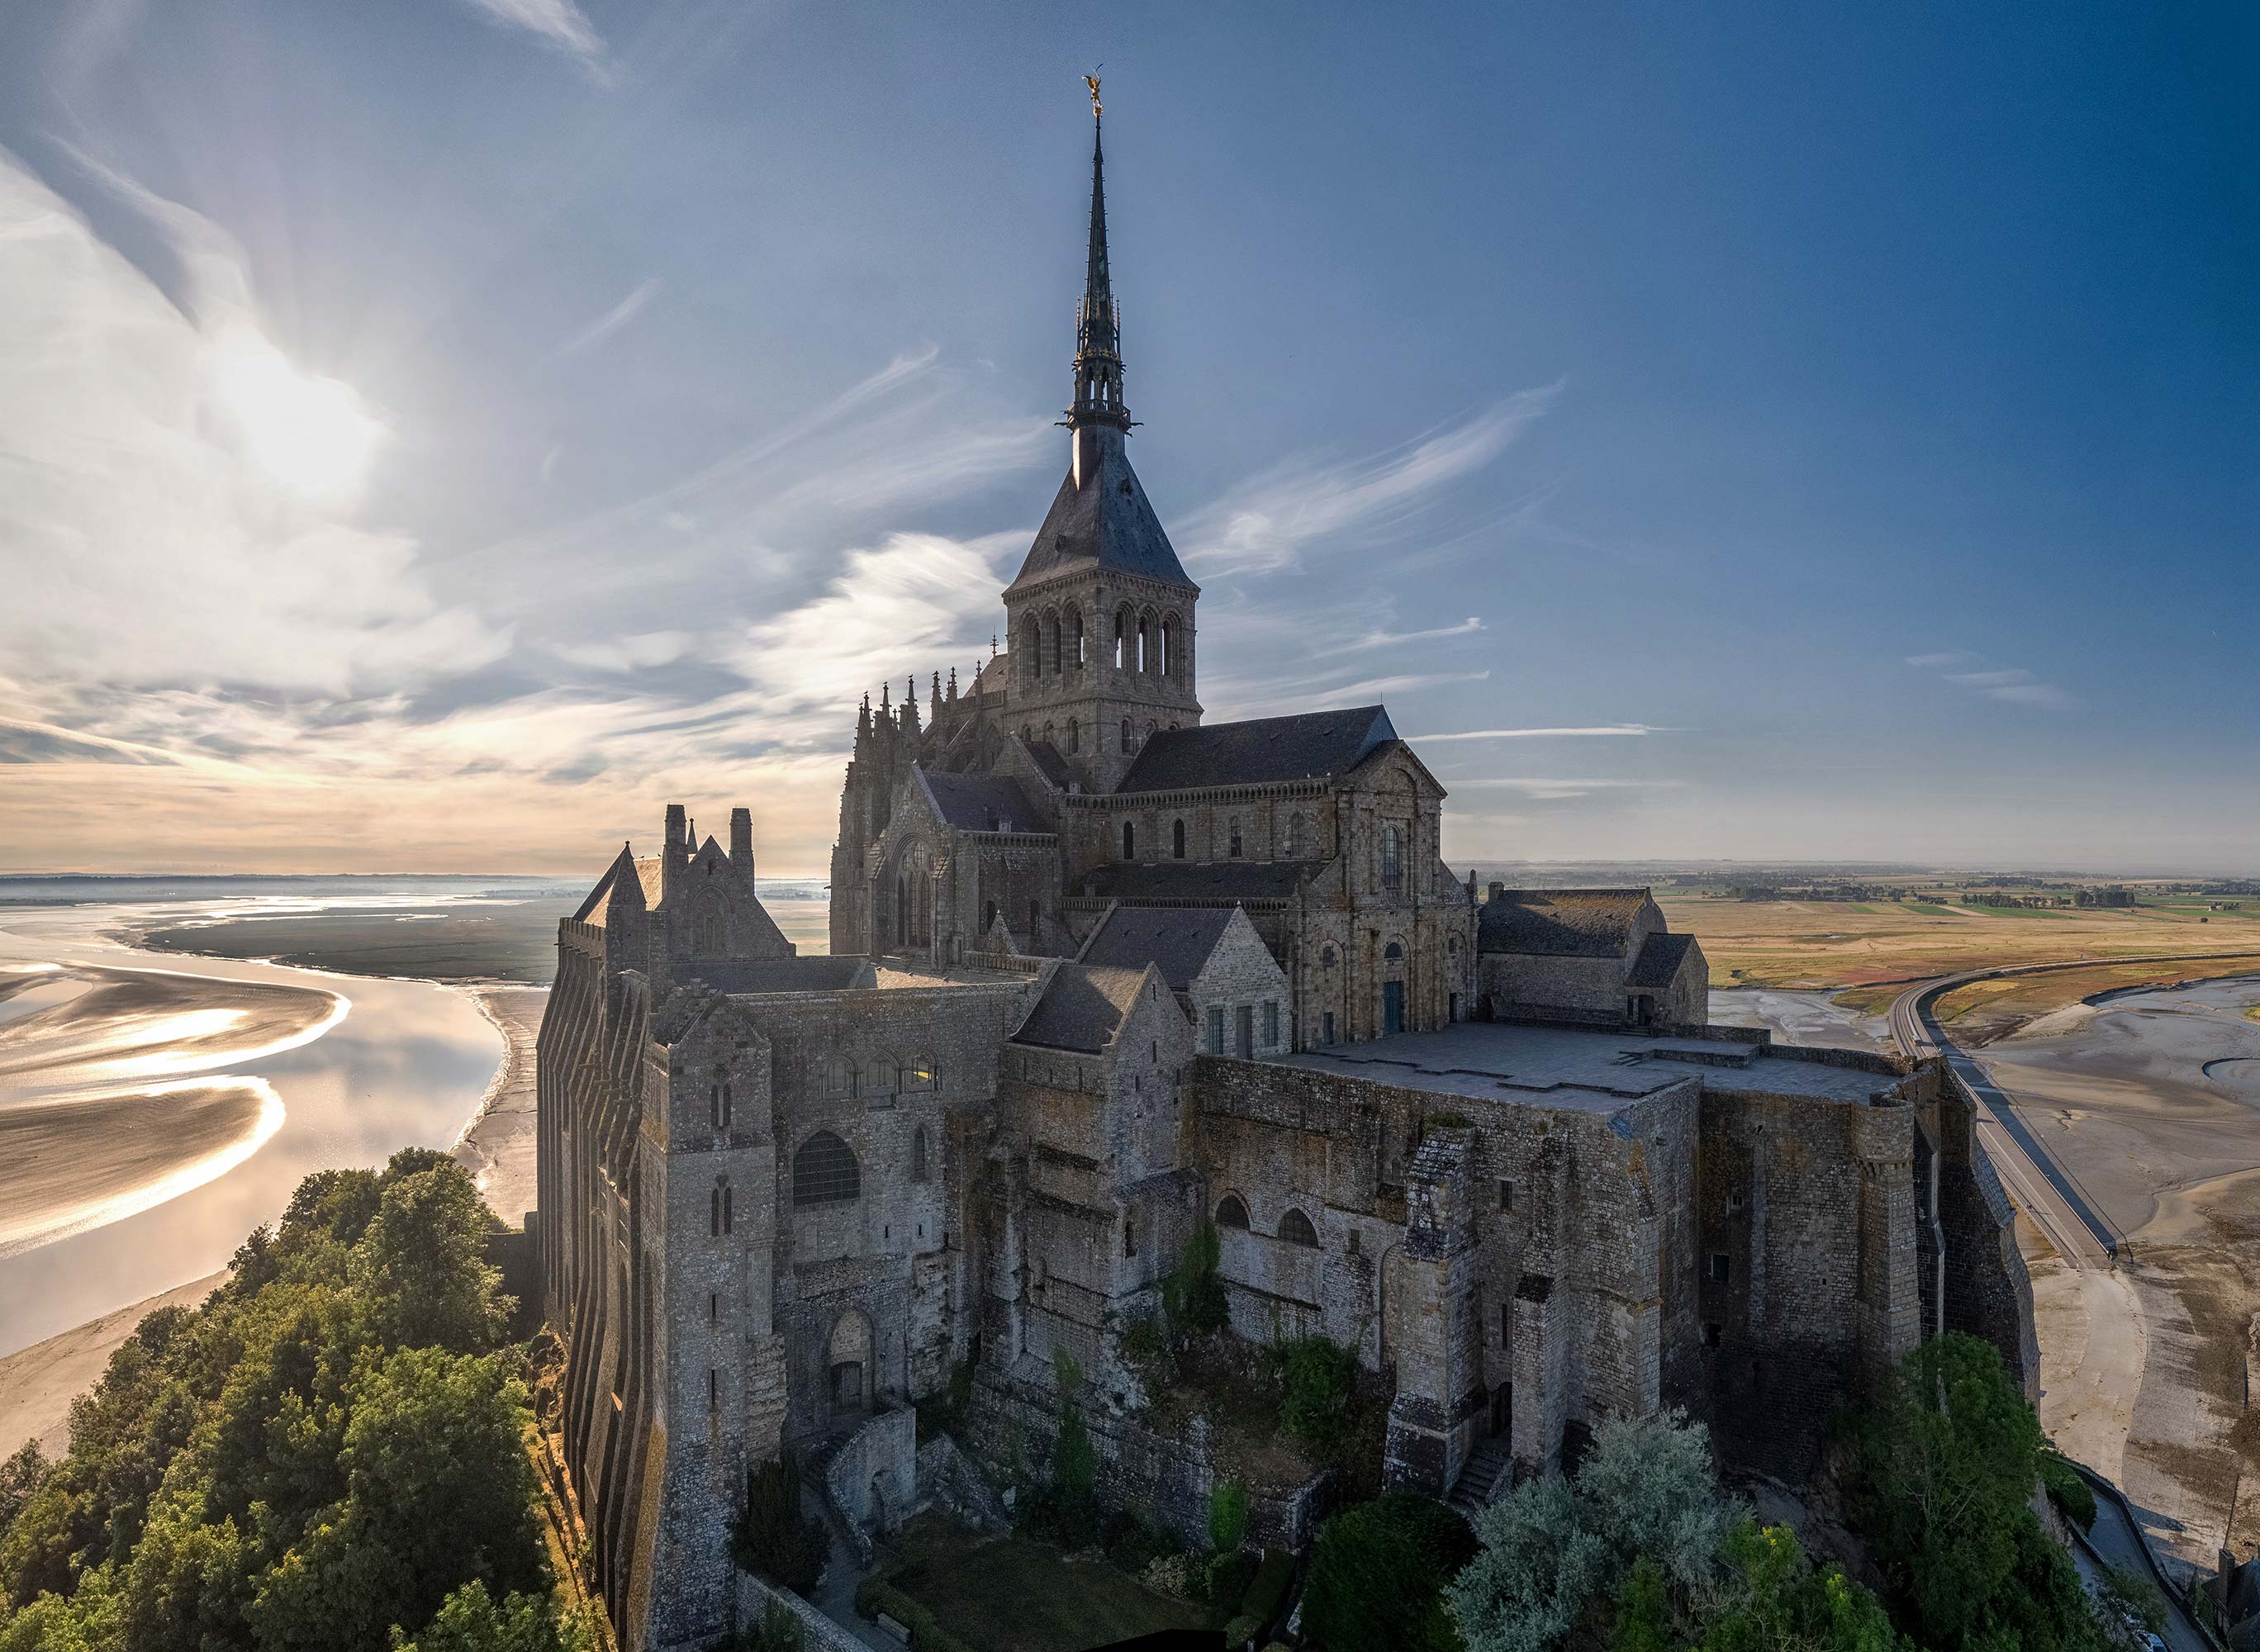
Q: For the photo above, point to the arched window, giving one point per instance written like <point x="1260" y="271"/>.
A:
<point x="1230" y="1212"/>
<point x="1075" y="639"/>
<point x="918" y="1073"/>
<point x="1297" y="837"/>
<point x="1177" y="840"/>
<point x="1129" y="841"/>
<point x="1032" y="639"/>
<point x="1129" y="740"/>
<point x="1050" y="736"/>
<point x="1121" y="625"/>
<point x="1325" y="957"/>
<point x="1392" y="857"/>
<point x="721" y="1102"/>
<point x="917" y="1155"/>
<point x="1145" y="643"/>
<point x="720" y="1216"/>
<point x="1232" y="842"/>
<point x="1054" y="658"/>
<point x="824" y="1172"/>
<point x="1169" y="646"/>
<point x="1074" y="735"/>
<point x="1295" y="1229"/>
<point x="988" y="917"/>
<point x="838" y="1076"/>
<point x="710" y="934"/>
<point x="1393" y="953"/>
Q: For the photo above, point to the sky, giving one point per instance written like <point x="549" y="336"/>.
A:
<point x="434" y="436"/>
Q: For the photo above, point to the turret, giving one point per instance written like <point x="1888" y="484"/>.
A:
<point x="742" y="842"/>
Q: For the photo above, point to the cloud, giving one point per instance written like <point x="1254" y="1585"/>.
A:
<point x="149" y="540"/>
<point x="1396" y="639"/>
<point x="638" y="652"/>
<point x="2011" y="683"/>
<point x="1269" y="524"/>
<point x="610" y="322"/>
<point x="559" y="22"/>
<point x="1604" y="731"/>
<point x="41" y="743"/>
<point x="1557" y="789"/>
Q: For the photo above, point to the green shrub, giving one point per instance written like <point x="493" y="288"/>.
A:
<point x="1133" y="1544"/>
<point x="1192" y="1295"/>
<point x="2073" y="1497"/>
<point x="779" y="1630"/>
<point x="1377" y="1573"/>
<point x="769" y="1537"/>
<point x="1321" y="1376"/>
<point x="1225" y="1579"/>
<point x="1228" y="1517"/>
<point x="1240" y="1631"/>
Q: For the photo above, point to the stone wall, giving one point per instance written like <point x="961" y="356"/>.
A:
<point x="872" y="1480"/>
<point x="1989" y="1293"/>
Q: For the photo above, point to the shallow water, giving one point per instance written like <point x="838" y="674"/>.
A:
<point x="153" y="1109"/>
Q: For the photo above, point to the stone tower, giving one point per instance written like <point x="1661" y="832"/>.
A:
<point x="1101" y="613"/>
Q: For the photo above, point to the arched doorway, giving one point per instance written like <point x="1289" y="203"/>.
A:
<point x="847" y="1364"/>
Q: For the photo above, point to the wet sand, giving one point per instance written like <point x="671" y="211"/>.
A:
<point x="2146" y="1100"/>
<point x="497" y="1145"/>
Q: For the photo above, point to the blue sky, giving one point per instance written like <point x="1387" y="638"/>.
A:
<point x="433" y="435"/>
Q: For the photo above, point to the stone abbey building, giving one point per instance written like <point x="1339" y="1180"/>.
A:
<point x="1102" y="971"/>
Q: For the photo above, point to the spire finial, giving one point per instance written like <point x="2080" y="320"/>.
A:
<point x="1091" y="81"/>
<point x="1098" y="319"/>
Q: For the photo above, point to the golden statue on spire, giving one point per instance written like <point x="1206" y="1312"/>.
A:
<point x="1091" y="81"/>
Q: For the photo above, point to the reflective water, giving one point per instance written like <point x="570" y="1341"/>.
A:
<point x="154" y="1110"/>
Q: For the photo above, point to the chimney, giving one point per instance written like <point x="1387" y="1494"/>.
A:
<point x="1498" y="891"/>
<point x="677" y="829"/>
<point x="741" y="840"/>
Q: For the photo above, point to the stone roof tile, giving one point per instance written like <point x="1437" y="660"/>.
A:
<point x="1308" y="745"/>
<point x="1560" y="923"/>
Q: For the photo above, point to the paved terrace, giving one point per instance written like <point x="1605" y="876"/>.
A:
<point x="1575" y="1067"/>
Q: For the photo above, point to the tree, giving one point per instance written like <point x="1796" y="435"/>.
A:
<point x="471" y="1620"/>
<point x="769" y="1535"/>
<point x="1192" y="1296"/>
<point x="1771" y="1596"/>
<point x="1377" y="1575"/>
<point x="1942" y="1468"/>
<point x="421" y="1263"/>
<point x="20" y="1473"/>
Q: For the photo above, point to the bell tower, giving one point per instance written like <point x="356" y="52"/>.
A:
<point x="1101" y="613"/>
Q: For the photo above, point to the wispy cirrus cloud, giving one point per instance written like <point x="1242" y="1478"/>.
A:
<point x="1558" y="790"/>
<point x="560" y="22"/>
<point x="610" y="322"/>
<point x="1399" y="638"/>
<point x="1599" y="731"/>
<point x="1275" y="521"/>
<point x="2013" y="684"/>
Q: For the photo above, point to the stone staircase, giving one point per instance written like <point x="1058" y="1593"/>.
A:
<point x="1489" y="1466"/>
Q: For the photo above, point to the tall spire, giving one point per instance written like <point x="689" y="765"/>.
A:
<point x="1098" y="319"/>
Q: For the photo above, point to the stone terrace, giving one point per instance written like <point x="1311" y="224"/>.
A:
<point x="1594" y="1069"/>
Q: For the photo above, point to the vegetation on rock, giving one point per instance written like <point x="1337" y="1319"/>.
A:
<point x="330" y="1454"/>
<point x="770" y="1536"/>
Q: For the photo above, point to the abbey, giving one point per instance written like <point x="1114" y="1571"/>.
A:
<point x="1102" y="974"/>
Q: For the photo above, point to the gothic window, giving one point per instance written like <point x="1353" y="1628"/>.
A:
<point x="1129" y="740"/>
<point x="1129" y="837"/>
<point x="1296" y="829"/>
<point x="719" y="1214"/>
<point x="824" y="1172"/>
<point x="1232" y="846"/>
<point x="1230" y="1212"/>
<point x="918" y="1074"/>
<point x="1177" y="840"/>
<point x="917" y="1155"/>
<point x="1032" y="639"/>
<point x="710" y="933"/>
<point x="988" y="917"/>
<point x="1054" y="658"/>
<point x="1074" y="735"/>
<point x="1170" y="666"/>
<point x="1392" y="857"/>
<point x="1295" y="1229"/>
<point x="1051" y="734"/>
<point x="1145" y="643"/>
<point x="1121" y="629"/>
<point x="840" y="1077"/>
<point x="721" y="1098"/>
<point x="1075" y="639"/>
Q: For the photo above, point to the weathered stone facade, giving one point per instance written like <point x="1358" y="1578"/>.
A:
<point x="1102" y="974"/>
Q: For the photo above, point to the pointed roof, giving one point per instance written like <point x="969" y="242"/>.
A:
<point x="1099" y="327"/>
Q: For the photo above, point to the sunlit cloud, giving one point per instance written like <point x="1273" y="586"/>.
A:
<point x="1397" y="639"/>
<point x="560" y="22"/>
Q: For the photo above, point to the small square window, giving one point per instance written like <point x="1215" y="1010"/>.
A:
<point x="1734" y="1204"/>
<point x="1719" y="1268"/>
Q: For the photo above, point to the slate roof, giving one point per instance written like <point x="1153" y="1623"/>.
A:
<point x="599" y="904"/>
<point x="1191" y="879"/>
<point x="1560" y="923"/>
<point x="983" y="803"/>
<point x="1048" y="759"/>
<point x="821" y="973"/>
<point x="1082" y="1009"/>
<point x="1660" y="957"/>
<point x="1106" y="523"/>
<point x="1307" y="746"/>
<point x="1176" y="940"/>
